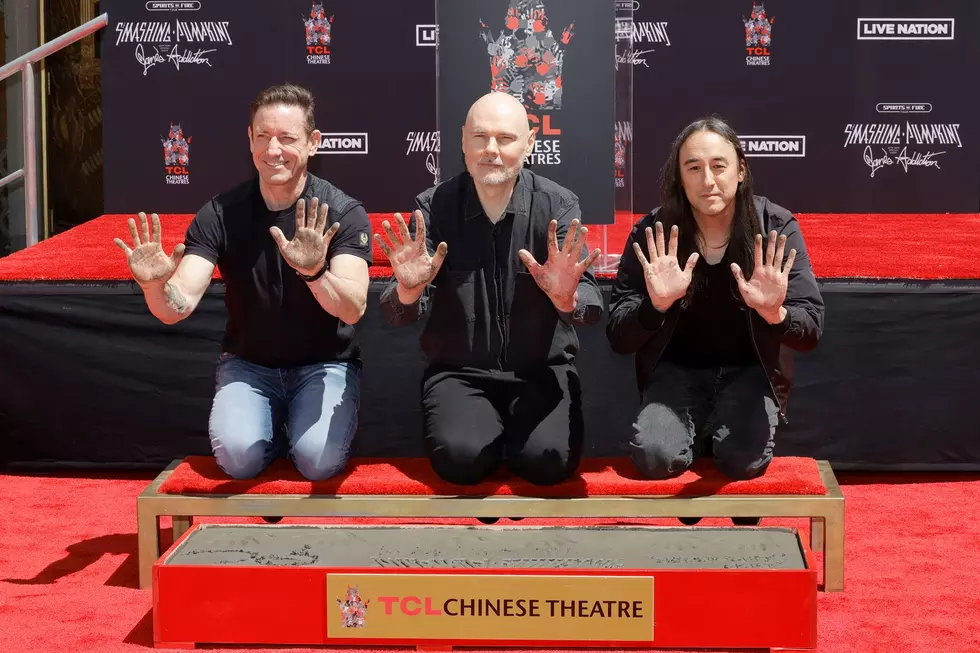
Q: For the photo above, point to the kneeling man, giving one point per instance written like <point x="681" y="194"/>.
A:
<point x="496" y="256"/>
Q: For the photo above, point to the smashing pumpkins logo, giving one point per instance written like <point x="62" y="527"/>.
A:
<point x="526" y="60"/>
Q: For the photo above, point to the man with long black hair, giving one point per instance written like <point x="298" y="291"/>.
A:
<point x="710" y="307"/>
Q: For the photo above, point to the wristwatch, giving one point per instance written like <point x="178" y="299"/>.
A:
<point x="312" y="277"/>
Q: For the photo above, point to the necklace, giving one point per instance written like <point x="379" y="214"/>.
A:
<point x="722" y="245"/>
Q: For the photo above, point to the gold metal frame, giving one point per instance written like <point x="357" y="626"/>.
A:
<point x="825" y="511"/>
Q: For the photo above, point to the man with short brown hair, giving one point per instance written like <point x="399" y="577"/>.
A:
<point x="294" y="253"/>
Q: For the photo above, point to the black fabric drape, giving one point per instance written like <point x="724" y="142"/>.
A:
<point x="89" y="378"/>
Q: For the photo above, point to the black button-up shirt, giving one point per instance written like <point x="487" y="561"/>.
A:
<point x="485" y="309"/>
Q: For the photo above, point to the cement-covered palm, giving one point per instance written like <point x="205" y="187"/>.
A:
<point x="766" y="290"/>
<point x="666" y="281"/>
<point x="410" y="260"/>
<point x="559" y="276"/>
<point x="307" y="251"/>
<point x="147" y="261"/>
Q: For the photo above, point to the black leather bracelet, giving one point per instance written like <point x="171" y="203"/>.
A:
<point x="314" y="277"/>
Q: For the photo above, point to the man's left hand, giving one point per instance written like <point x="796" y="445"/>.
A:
<point x="307" y="251"/>
<point x="766" y="290"/>
<point x="558" y="278"/>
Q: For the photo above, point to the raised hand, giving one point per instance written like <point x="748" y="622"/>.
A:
<point x="147" y="261"/>
<point x="559" y="276"/>
<point x="766" y="290"/>
<point x="410" y="260"/>
<point x="307" y="251"/>
<point x="665" y="280"/>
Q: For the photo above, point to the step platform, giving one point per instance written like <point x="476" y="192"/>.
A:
<point x="435" y="587"/>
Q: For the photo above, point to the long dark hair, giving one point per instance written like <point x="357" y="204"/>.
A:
<point x="675" y="209"/>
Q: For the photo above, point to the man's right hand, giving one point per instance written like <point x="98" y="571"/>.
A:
<point x="147" y="261"/>
<point x="410" y="261"/>
<point x="665" y="280"/>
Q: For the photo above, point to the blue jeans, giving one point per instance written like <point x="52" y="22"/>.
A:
<point x="730" y="410"/>
<point x="317" y="405"/>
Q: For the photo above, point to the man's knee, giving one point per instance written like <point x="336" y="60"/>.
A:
<point x="741" y="465"/>
<point x="548" y="467"/>
<point x="320" y="465"/>
<point x="743" y="447"/>
<point x="657" y="460"/>
<point x="661" y="443"/>
<point x="463" y="463"/>
<point x="323" y="449"/>
<point x="240" y="460"/>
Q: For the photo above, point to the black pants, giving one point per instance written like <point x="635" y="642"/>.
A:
<point x="476" y="420"/>
<point x="729" y="412"/>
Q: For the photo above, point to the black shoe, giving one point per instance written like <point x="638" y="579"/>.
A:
<point x="689" y="521"/>
<point x="746" y="521"/>
<point x="272" y="520"/>
<point x="488" y="520"/>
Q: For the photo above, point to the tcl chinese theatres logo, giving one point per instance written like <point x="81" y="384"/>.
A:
<point x="318" y="35"/>
<point x="176" y="155"/>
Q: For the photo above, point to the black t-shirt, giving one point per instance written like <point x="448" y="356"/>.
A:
<point x="714" y="330"/>
<point x="273" y="318"/>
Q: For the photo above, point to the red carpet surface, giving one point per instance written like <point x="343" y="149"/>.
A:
<point x="68" y="567"/>
<point x="414" y="476"/>
<point x="841" y="246"/>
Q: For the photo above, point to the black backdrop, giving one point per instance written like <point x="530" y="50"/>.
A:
<point x="824" y="79"/>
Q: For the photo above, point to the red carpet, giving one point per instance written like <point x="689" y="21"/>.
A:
<point x="414" y="476"/>
<point x="68" y="569"/>
<point x="841" y="246"/>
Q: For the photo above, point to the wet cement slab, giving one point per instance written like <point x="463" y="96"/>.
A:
<point x="443" y="547"/>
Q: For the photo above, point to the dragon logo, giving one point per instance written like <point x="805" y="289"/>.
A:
<point x="176" y="148"/>
<point x="353" y="609"/>
<point x="318" y="27"/>
<point x="619" y="149"/>
<point x="758" y="28"/>
<point x="526" y="60"/>
<point x="621" y="142"/>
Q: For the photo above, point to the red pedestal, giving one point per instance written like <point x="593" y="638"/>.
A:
<point x="436" y="609"/>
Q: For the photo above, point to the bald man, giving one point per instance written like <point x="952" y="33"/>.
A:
<point x="498" y="259"/>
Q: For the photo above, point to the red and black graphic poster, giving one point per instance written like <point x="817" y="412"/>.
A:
<point x="559" y="58"/>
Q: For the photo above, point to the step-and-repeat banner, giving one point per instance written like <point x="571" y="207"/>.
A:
<point x="841" y="105"/>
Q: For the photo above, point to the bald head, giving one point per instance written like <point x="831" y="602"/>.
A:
<point x="496" y="138"/>
<point x="503" y="108"/>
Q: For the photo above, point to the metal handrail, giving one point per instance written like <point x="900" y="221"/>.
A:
<point x="25" y="64"/>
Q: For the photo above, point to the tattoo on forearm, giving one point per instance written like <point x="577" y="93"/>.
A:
<point x="175" y="299"/>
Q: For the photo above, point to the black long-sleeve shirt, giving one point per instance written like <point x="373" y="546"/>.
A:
<point x="636" y="327"/>
<point x="485" y="310"/>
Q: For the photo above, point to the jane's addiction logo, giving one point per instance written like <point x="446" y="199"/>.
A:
<point x="526" y="60"/>
<point x="353" y="609"/>
<point x="176" y="156"/>
<point x="318" y="32"/>
<point x="888" y="144"/>
<point x="758" y="35"/>
<point x="168" y="42"/>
